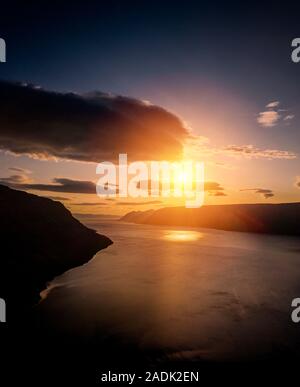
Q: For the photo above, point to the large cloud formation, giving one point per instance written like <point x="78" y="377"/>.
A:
<point x="92" y="127"/>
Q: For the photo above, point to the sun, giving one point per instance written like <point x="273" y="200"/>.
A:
<point x="183" y="176"/>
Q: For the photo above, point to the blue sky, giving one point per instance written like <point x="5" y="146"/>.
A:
<point x="217" y="67"/>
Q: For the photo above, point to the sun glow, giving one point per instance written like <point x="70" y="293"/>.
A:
<point x="166" y="179"/>
<point x="182" y="235"/>
<point x="183" y="177"/>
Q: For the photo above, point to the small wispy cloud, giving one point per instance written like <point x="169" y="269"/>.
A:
<point x="15" y="179"/>
<point x="273" y="104"/>
<point x="297" y="182"/>
<point x="20" y="170"/>
<point x="214" y="189"/>
<point x="266" y="193"/>
<point x="289" y="117"/>
<point x="213" y="186"/>
<point x="273" y="115"/>
<point x="217" y="193"/>
<point x="268" y="118"/>
<point x="198" y="146"/>
<point x="250" y="151"/>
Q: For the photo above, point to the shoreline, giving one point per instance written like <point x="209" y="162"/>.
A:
<point x="43" y="294"/>
<point x="41" y="240"/>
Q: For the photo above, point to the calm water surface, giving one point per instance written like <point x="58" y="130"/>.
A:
<point x="189" y="293"/>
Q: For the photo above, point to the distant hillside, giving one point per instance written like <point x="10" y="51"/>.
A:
<point x="257" y="218"/>
<point x="40" y="239"/>
<point x="137" y="216"/>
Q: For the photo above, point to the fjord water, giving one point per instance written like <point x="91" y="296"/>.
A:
<point x="180" y="293"/>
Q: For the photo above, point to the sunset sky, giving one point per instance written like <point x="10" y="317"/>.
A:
<point x="156" y="80"/>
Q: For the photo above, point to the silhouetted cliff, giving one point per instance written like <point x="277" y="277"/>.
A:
<point x="40" y="239"/>
<point x="258" y="218"/>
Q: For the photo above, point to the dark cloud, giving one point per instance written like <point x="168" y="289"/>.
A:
<point x="90" y="127"/>
<point x="14" y="179"/>
<point x="62" y="185"/>
<point x="266" y="193"/>
<point x="217" y="193"/>
<point x="212" y="186"/>
<point x="208" y="185"/>
<point x="214" y="189"/>
<point x="297" y="182"/>
<point x="20" y="170"/>
<point x="88" y="187"/>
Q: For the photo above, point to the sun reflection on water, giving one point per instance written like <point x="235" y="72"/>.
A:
<point x="182" y="235"/>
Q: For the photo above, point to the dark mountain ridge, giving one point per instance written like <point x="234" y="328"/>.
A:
<point x="257" y="218"/>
